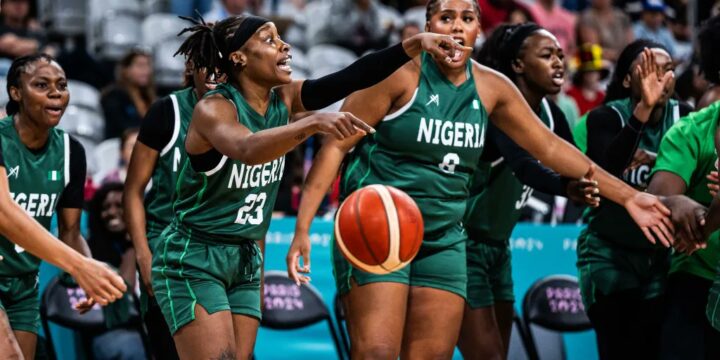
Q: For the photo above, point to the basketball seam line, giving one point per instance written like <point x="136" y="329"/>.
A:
<point x="356" y="205"/>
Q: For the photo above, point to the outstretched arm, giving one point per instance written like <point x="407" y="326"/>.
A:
<point x="98" y="281"/>
<point x="315" y="94"/>
<point x="512" y="115"/>
<point x="215" y="122"/>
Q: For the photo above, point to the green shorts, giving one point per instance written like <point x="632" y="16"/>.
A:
<point x="19" y="298"/>
<point x="188" y="271"/>
<point x="607" y="267"/>
<point x="489" y="268"/>
<point x="440" y="264"/>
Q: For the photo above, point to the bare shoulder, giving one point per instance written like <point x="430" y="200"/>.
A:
<point x="492" y="86"/>
<point x="213" y="108"/>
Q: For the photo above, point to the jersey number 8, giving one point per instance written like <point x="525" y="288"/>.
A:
<point x="246" y="215"/>
<point x="449" y="162"/>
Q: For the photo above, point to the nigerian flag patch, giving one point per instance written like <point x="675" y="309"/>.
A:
<point x="53" y="175"/>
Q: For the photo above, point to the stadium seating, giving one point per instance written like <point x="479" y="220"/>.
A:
<point x="113" y="27"/>
<point x="288" y="306"/>
<point x="551" y="306"/>
<point x="64" y="17"/>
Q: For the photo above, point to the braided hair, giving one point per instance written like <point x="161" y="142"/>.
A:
<point x="20" y="66"/>
<point x="615" y="89"/>
<point x="709" y="38"/>
<point x="208" y="45"/>
<point x="504" y="46"/>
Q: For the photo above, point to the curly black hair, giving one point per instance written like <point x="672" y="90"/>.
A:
<point x="709" y="39"/>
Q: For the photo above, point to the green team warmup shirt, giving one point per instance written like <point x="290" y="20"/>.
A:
<point x="611" y="221"/>
<point x="580" y="133"/>
<point x="497" y="197"/>
<point x="164" y="129"/>
<point x="40" y="182"/>
<point x="233" y="202"/>
<point x="688" y="151"/>
<point x="429" y="148"/>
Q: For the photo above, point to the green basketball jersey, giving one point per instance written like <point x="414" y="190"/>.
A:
<point x="497" y="196"/>
<point x="688" y="151"/>
<point x="610" y="220"/>
<point x="233" y="202"/>
<point x="36" y="181"/>
<point x="429" y="148"/>
<point x="158" y="201"/>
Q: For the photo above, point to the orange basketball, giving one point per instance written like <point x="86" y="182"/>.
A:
<point x="379" y="229"/>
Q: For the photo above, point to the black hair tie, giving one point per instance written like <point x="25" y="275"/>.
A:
<point x="247" y="28"/>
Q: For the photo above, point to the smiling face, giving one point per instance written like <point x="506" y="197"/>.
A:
<point x="265" y="58"/>
<point x="42" y="92"/>
<point x="112" y="212"/>
<point x="459" y="19"/>
<point x="540" y="62"/>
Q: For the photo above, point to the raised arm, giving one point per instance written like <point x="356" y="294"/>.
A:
<point x="511" y="114"/>
<point x="215" y="122"/>
<point x="315" y="94"/>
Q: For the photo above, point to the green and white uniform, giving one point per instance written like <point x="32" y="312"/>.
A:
<point x="429" y="149"/>
<point x="496" y="201"/>
<point x="164" y="129"/>
<point x="613" y="253"/>
<point x="37" y="181"/>
<point x="209" y="256"/>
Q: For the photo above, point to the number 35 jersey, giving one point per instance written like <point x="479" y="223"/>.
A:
<point x="429" y="148"/>
<point x="232" y="202"/>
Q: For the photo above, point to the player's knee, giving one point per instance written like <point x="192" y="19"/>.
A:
<point x="375" y="351"/>
<point x="226" y="354"/>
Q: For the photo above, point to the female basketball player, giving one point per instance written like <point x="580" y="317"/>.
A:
<point x="532" y="58"/>
<point x="42" y="172"/>
<point x="622" y="276"/>
<point x="206" y="278"/>
<point x="158" y="155"/>
<point x="431" y="117"/>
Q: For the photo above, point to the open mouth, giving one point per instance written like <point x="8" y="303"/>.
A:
<point x="284" y="64"/>
<point x="458" y="54"/>
<point x="54" y="110"/>
<point x="558" y="78"/>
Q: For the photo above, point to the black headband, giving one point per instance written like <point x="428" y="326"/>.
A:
<point x="516" y="39"/>
<point x="246" y="29"/>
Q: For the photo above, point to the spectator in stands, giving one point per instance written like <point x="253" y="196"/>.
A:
<point x="127" y="143"/>
<point x="127" y="101"/>
<point x="586" y="89"/>
<point x="605" y="25"/>
<point x="19" y="33"/>
<point x="496" y="12"/>
<point x="188" y="7"/>
<point x="651" y="25"/>
<point x="109" y="243"/>
<point x="221" y="9"/>
<point x="356" y="25"/>
<point x="409" y="30"/>
<point x="691" y="85"/>
<point x="560" y="22"/>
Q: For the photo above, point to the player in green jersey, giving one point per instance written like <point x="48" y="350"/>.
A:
<point x="158" y="156"/>
<point x="686" y="157"/>
<point x="42" y="174"/>
<point x="532" y="58"/>
<point x="622" y="276"/>
<point x="206" y="276"/>
<point x="429" y="115"/>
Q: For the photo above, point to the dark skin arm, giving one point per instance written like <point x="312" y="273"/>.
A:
<point x="687" y="215"/>
<point x="215" y="125"/>
<point x="140" y="170"/>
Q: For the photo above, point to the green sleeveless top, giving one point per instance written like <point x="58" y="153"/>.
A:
<point x="429" y="148"/>
<point x="233" y="202"/>
<point x="159" y="200"/>
<point x="610" y="220"/>
<point x="497" y="196"/>
<point x="36" y="181"/>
